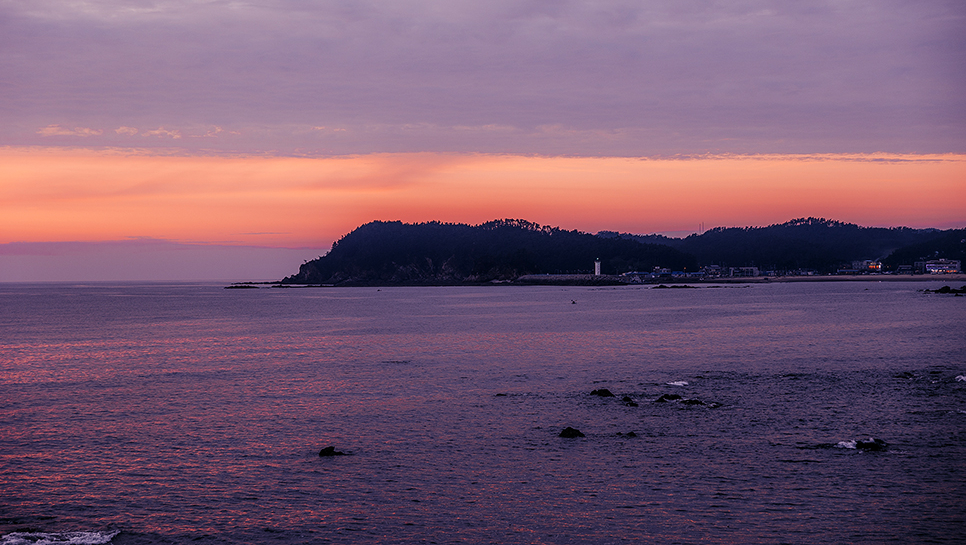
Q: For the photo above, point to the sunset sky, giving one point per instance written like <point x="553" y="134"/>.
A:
<point x="231" y="140"/>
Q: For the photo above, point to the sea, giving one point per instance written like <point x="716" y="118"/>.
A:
<point x="170" y="413"/>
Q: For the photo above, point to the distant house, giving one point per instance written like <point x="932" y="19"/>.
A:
<point x="867" y="265"/>
<point x="744" y="271"/>
<point x="939" y="266"/>
<point x="711" y="271"/>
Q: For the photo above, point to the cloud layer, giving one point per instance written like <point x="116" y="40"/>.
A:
<point x="562" y="77"/>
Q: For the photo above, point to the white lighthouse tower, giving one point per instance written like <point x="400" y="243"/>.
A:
<point x="597" y="268"/>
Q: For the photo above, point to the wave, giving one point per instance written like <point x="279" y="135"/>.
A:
<point x="870" y="444"/>
<point x="58" y="538"/>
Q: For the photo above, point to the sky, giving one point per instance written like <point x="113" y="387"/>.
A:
<point x="232" y="140"/>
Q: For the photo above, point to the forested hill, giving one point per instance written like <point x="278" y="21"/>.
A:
<point x="385" y="253"/>
<point x="382" y="253"/>
<point x="808" y="243"/>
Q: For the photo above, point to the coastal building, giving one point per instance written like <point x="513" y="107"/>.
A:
<point x="743" y="271"/>
<point x="939" y="266"/>
<point x="867" y="265"/>
<point x="711" y="271"/>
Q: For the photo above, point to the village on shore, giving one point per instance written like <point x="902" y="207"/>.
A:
<point x="949" y="270"/>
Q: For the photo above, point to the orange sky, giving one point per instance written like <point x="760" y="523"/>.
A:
<point x="58" y="195"/>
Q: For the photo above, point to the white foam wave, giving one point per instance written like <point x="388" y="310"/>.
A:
<point x="846" y="444"/>
<point x="961" y="378"/>
<point x="58" y="538"/>
<point x="677" y="383"/>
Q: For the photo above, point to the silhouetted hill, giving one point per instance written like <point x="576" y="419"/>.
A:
<point x="807" y="243"/>
<point x="940" y="244"/>
<point x="381" y="253"/>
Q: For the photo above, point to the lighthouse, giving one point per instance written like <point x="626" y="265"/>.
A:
<point x="597" y="268"/>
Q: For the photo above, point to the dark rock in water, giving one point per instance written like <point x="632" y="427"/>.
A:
<point x="667" y="397"/>
<point x="904" y="374"/>
<point x="330" y="451"/>
<point x="628" y="401"/>
<point x="603" y="392"/>
<point x="570" y="433"/>
<point x="947" y="289"/>
<point x="631" y="434"/>
<point x="872" y="445"/>
<point x="500" y="395"/>
<point x="818" y="446"/>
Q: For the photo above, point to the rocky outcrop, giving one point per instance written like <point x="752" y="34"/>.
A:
<point x="603" y="392"/>
<point x="570" y="433"/>
<point x="870" y="444"/>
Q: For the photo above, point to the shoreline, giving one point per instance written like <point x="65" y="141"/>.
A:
<point x="591" y="280"/>
<point x="956" y="277"/>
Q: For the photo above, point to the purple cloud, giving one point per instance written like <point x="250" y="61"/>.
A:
<point x="544" y="77"/>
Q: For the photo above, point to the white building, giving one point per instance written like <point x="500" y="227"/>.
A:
<point x="943" y="266"/>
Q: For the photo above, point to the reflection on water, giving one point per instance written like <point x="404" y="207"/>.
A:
<point x="177" y="412"/>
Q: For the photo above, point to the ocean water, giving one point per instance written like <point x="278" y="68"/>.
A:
<point x="187" y="413"/>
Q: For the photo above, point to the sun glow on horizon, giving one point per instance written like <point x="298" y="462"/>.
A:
<point x="57" y="195"/>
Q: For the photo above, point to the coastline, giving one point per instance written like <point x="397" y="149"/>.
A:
<point x="616" y="280"/>
<point x="956" y="277"/>
<point x="589" y="279"/>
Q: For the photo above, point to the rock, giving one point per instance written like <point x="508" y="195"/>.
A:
<point x="603" y="392"/>
<point x="500" y="395"/>
<point x="947" y="289"/>
<point x="631" y="434"/>
<point x="871" y="444"/>
<point x="570" y="433"/>
<point x="667" y="397"/>
<point x="330" y="451"/>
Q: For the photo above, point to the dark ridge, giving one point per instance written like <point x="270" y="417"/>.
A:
<point x="938" y="244"/>
<point x="434" y="253"/>
<point x="817" y="244"/>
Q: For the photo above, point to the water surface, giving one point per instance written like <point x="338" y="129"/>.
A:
<point x="185" y="412"/>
